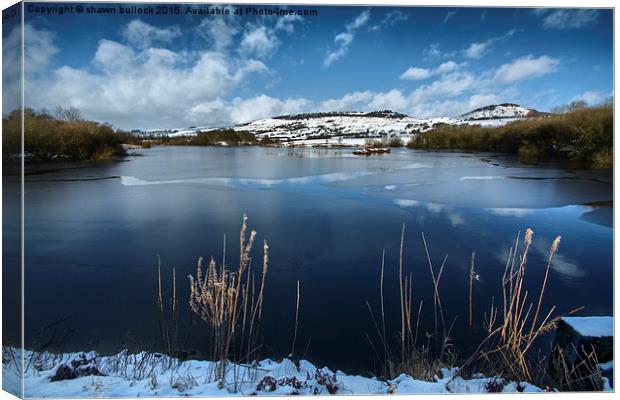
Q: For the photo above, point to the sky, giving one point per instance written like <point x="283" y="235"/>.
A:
<point x="174" y="71"/>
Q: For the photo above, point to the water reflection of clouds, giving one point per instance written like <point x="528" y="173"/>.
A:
<point x="454" y="217"/>
<point x="510" y="212"/>
<point x="561" y="264"/>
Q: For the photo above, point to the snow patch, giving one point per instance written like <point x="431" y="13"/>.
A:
<point x="155" y="375"/>
<point x="591" y="326"/>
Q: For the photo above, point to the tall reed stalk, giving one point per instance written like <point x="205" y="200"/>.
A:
<point x="225" y="299"/>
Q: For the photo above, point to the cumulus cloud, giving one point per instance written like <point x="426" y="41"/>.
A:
<point x="348" y="102"/>
<point x="416" y="73"/>
<point x="527" y="67"/>
<point x="264" y="106"/>
<point x="344" y="39"/>
<point x="566" y="18"/>
<point x="39" y="49"/>
<point x="593" y="97"/>
<point x="477" y="50"/>
<point x="258" y="41"/>
<point x="393" y="100"/>
<point x="451" y="94"/>
<point x="141" y="34"/>
<point x="131" y="86"/>
<point x="288" y="22"/>
<point x="218" y="32"/>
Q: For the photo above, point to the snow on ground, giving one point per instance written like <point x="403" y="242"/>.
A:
<point x="591" y="326"/>
<point x="506" y="110"/>
<point x="353" y="125"/>
<point x="151" y="375"/>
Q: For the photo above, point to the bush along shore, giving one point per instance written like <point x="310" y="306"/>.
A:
<point x="583" y="135"/>
<point x="412" y="358"/>
<point x="64" y="136"/>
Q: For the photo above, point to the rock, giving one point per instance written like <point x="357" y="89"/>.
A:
<point x="576" y="338"/>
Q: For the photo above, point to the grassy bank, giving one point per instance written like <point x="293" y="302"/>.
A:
<point x="63" y="137"/>
<point x="584" y="135"/>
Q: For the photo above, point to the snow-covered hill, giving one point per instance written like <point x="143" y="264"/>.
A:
<point x="376" y="124"/>
<point x="499" y="111"/>
<point x="356" y="126"/>
<point x="349" y="124"/>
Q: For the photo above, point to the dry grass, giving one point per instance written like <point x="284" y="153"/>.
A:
<point x="227" y="301"/>
<point x="420" y="362"/>
<point x="584" y="375"/>
<point x="512" y="328"/>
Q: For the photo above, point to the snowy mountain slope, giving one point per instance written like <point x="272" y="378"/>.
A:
<point x="499" y="111"/>
<point x="375" y="124"/>
<point x="305" y="126"/>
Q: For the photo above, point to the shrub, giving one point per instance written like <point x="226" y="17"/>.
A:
<point x="582" y="134"/>
<point x="48" y="138"/>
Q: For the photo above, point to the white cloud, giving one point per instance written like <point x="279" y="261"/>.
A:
<point x="264" y="106"/>
<point x="567" y="18"/>
<point x="417" y="73"/>
<point x="593" y="97"/>
<point x="147" y="87"/>
<point x="218" y="32"/>
<point x="258" y="41"/>
<point x="526" y="67"/>
<point x="141" y="34"/>
<point x="348" y="102"/>
<point x="287" y="23"/>
<point x="344" y="39"/>
<point x="393" y="100"/>
<point x="446" y="67"/>
<point x="433" y="51"/>
<point x="39" y="49"/>
<point x="477" y="50"/>
<point x="112" y="55"/>
<point x="449" y="16"/>
<point x="359" y="21"/>
<point x="391" y="18"/>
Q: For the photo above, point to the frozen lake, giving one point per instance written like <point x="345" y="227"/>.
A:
<point x="92" y="245"/>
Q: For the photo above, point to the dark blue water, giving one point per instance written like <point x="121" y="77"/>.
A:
<point x="91" y="246"/>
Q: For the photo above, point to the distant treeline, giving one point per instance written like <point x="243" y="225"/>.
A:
<point x="216" y="137"/>
<point x="582" y="134"/>
<point x="62" y="136"/>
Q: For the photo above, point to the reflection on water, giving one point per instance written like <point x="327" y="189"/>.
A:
<point x="92" y="244"/>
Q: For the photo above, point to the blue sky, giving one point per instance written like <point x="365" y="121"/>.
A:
<point x="176" y="71"/>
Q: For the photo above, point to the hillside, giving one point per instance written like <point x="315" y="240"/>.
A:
<point x="353" y="127"/>
<point x="376" y="124"/>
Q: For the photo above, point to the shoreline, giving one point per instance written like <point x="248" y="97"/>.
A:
<point x="82" y="374"/>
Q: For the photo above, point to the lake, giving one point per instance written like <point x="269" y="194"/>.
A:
<point x="92" y="245"/>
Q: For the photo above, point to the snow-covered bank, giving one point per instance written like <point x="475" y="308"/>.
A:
<point x="149" y="374"/>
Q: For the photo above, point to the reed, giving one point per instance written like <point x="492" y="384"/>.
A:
<point x="513" y="330"/>
<point x="512" y="327"/>
<point x="420" y="362"/>
<point x="296" y="320"/>
<point x="225" y="299"/>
